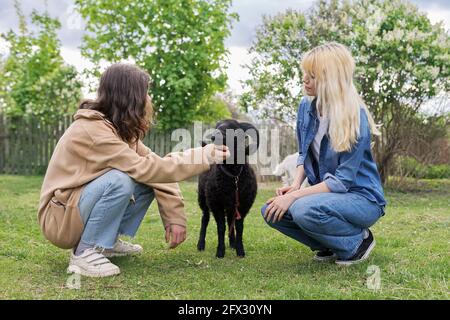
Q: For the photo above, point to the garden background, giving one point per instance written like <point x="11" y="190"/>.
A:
<point x="402" y="55"/>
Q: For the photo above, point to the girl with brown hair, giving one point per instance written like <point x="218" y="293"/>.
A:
<point x="101" y="178"/>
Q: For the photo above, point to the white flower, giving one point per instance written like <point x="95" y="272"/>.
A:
<point x="165" y="48"/>
<point x="409" y="36"/>
<point x="443" y="37"/>
<point x="150" y="49"/>
<point x="434" y="71"/>
<point x="398" y="34"/>
<point x="408" y="66"/>
<point x="388" y="36"/>
<point x="425" y="85"/>
<point x="363" y="59"/>
<point x="379" y="68"/>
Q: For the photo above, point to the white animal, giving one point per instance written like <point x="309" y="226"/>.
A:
<point x="287" y="169"/>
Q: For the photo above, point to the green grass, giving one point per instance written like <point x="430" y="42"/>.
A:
<point x="412" y="253"/>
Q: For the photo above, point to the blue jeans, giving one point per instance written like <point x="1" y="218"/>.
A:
<point x="335" y="221"/>
<point x="107" y="210"/>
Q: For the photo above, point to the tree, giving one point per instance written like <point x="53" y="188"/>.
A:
<point x="402" y="62"/>
<point x="34" y="78"/>
<point x="275" y="75"/>
<point x="212" y="111"/>
<point x="180" y="43"/>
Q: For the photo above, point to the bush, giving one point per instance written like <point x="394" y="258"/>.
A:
<point x="410" y="167"/>
<point x="439" y="171"/>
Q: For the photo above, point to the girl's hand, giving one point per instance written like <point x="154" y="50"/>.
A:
<point x="286" y="190"/>
<point x="216" y="153"/>
<point x="175" y="235"/>
<point x="277" y="207"/>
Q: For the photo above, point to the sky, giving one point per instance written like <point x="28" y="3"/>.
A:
<point x="243" y="32"/>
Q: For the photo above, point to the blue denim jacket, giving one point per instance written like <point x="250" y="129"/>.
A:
<point x="353" y="171"/>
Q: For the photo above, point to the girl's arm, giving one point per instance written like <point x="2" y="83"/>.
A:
<point x="318" y="188"/>
<point x="299" y="176"/>
<point x="109" y="151"/>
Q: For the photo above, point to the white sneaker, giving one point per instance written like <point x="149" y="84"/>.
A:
<point x="122" y="248"/>
<point x="92" y="263"/>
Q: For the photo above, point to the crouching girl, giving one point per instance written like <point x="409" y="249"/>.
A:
<point x="101" y="178"/>
<point x="334" y="129"/>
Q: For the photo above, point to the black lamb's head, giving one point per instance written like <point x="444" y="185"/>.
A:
<point x="242" y="139"/>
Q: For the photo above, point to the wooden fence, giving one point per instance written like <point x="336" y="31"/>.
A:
<point x="26" y="144"/>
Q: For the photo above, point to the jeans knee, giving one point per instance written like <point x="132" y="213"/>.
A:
<point x="121" y="181"/>
<point x="310" y="219"/>
<point x="144" y="189"/>
<point x="300" y="211"/>
<point x="263" y="209"/>
<point x="148" y="195"/>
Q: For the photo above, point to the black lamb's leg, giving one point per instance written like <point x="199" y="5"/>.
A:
<point x="220" y="219"/>
<point x="201" y="239"/>
<point x="231" y="232"/>
<point x="239" y="241"/>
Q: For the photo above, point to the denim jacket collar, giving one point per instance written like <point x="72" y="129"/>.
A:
<point x="313" y="108"/>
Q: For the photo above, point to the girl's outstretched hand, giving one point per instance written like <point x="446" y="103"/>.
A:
<point x="216" y="153"/>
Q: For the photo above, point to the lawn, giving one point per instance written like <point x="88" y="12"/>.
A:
<point x="412" y="255"/>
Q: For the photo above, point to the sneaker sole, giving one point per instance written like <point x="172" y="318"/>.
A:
<point x="363" y="258"/>
<point x="83" y="272"/>
<point x="112" y="255"/>
<point x="325" y="259"/>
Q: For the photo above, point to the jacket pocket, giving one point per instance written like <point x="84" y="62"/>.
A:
<point x="56" y="203"/>
<point x="53" y="219"/>
<point x="62" y="226"/>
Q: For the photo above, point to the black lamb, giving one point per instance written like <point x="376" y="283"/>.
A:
<point x="229" y="189"/>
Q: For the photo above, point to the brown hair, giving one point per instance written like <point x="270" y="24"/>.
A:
<point x="122" y="96"/>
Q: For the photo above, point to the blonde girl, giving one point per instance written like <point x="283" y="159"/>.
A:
<point x="345" y="196"/>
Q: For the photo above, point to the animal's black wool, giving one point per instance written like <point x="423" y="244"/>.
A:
<point x="217" y="190"/>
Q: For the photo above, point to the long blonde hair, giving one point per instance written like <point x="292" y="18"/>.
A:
<point x="332" y="67"/>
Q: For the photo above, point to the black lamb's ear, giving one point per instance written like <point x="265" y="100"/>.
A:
<point x="251" y="131"/>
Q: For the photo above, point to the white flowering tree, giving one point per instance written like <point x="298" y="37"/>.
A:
<point x="34" y="79"/>
<point x="402" y="62"/>
<point x="179" y="42"/>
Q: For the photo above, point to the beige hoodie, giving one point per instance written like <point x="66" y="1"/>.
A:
<point x="89" y="148"/>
